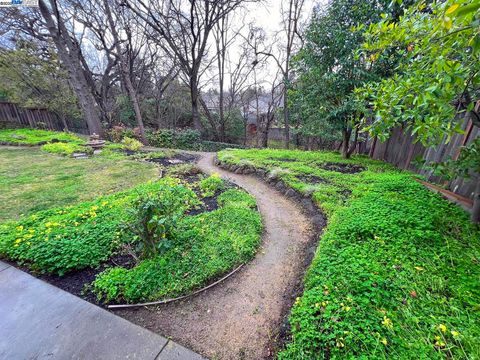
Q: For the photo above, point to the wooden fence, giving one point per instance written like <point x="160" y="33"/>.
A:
<point x="12" y="115"/>
<point x="401" y="150"/>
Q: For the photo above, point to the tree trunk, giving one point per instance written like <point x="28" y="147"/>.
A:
<point x="355" y="142"/>
<point x="68" y="52"/>
<point x="286" y="116"/>
<point x="194" y="100"/>
<point x="345" y="142"/>
<point x="132" y="93"/>
<point x="476" y="204"/>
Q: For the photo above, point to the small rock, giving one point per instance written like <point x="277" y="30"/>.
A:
<point x="97" y="152"/>
<point x="80" y="156"/>
<point x="290" y="193"/>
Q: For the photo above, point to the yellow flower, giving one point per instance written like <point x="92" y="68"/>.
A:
<point x="384" y="341"/>
<point x="419" y="268"/>
<point x="19" y="228"/>
<point x="94" y="208"/>
<point x="454" y="333"/>
<point x="18" y="241"/>
<point x="387" y="322"/>
<point x="340" y="343"/>
<point x="104" y="203"/>
<point x="442" y="328"/>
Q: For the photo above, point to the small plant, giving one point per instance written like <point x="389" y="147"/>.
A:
<point x="210" y="185"/>
<point x="131" y="144"/>
<point x="156" y="216"/>
<point x="183" y="170"/>
<point x="63" y="148"/>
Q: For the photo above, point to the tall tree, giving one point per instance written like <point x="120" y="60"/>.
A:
<point x="184" y="29"/>
<point x="71" y="56"/>
<point x="329" y="70"/>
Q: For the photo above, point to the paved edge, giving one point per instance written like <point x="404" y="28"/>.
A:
<point x="40" y="320"/>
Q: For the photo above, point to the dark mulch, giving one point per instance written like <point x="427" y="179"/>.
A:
<point x="342" y="168"/>
<point x="312" y="179"/>
<point x="77" y="282"/>
<point x="175" y="160"/>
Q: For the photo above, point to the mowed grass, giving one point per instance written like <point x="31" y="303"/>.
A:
<point x="32" y="180"/>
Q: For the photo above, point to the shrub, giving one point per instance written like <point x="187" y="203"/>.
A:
<point x="64" y="148"/>
<point x="210" y="185"/>
<point x="117" y="133"/>
<point x="214" y="146"/>
<point x="183" y="170"/>
<point x="155" y="217"/>
<point x="186" y="139"/>
<point x="131" y="144"/>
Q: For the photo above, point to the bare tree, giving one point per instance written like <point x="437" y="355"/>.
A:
<point x="184" y="28"/>
<point x="70" y="54"/>
<point x="291" y="15"/>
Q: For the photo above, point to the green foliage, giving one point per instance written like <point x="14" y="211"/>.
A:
<point x="36" y="137"/>
<point x="183" y="170"/>
<point x="236" y="197"/>
<point x="329" y="70"/>
<point x="212" y="184"/>
<point x="63" y="148"/>
<point x="155" y="217"/>
<point x="32" y="77"/>
<point x="438" y="45"/>
<point x="131" y="144"/>
<point x="207" y="246"/>
<point x="395" y="273"/>
<point x="73" y="237"/>
<point x="186" y="139"/>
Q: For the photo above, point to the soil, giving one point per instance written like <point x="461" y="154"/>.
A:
<point x="312" y="179"/>
<point x="245" y="316"/>
<point x="76" y="282"/>
<point x="182" y="158"/>
<point x="343" y="168"/>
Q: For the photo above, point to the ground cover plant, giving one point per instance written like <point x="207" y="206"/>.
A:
<point x="173" y="245"/>
<point x="36" y="137"/>
<point x="396" y="271"/>
<point x="32" y="180"/>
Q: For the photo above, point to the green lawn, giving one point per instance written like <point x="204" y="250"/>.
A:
<point x="397" y="271"/>
<point x="36" y="137"/>
<point x="33" y="180"/>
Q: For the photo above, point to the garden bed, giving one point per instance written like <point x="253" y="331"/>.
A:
<point x="396" y="272"/>
<point x="87" y="249"/>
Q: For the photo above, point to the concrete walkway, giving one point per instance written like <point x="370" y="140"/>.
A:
<point x="40" y="321"/>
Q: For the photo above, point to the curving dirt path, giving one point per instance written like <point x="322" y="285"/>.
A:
<point x="241" y="318"/>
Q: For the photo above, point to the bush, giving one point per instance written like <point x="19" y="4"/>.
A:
<point x="155" y="217"/>
<point x="117" y="133"/>
<point x="64" y="148"/>
<point x="212" y="184"/>
<point x="186" y="139"/>
<point x="131" y="144"/>
<point x="183" y="170"/>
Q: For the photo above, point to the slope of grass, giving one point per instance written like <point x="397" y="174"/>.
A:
<point x="31" y="180"/>
<point x="36" y="137"/>
<point x="397" y="271"/>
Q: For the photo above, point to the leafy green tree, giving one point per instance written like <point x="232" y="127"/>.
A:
<point x="329" y="69"/>
<point x="436" y="82"/>
<point x="31" y="76"/>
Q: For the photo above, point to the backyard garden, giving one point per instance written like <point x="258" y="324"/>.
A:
<point x="395" y="273"/>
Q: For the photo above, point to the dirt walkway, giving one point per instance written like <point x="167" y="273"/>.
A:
<point x="241" y="318"/>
